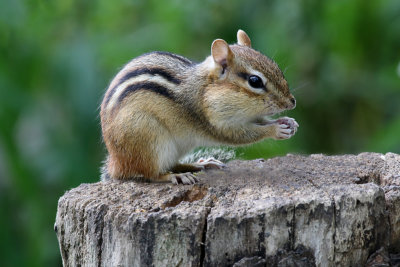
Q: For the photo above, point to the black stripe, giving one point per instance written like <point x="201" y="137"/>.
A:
<point x="152" y="71"/>
<point x="137" y="72"/>
<point x="243" y="75"/>
<point x="154" y="87"/>
<point x="180" y="58"/>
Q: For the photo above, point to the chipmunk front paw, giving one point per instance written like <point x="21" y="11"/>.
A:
<point x="285" y="128"/>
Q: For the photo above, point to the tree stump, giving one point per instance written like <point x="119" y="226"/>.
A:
<point x="307" y="210"/>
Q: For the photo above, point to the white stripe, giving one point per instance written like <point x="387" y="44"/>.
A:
<point x="259" y="74"/>
<point x="141" y="78"/>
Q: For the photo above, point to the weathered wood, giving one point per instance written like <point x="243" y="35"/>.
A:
<point x="305" y="210"/>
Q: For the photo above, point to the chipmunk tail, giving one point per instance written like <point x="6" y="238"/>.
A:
<point x="104" y="176"/>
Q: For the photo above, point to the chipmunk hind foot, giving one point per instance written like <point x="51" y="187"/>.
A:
<point x="186" y="178"/>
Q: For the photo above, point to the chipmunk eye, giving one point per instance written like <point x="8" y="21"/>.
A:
<point x="255" y="81"/>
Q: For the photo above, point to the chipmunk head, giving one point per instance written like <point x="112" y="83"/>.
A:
<point x="246" y="85"/>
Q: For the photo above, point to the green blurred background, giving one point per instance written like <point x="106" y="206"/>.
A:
<point x="340" y="57"/>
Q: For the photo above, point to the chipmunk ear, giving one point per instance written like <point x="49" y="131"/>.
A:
<point x="243" y="38"/>
<point x="221" y="53"/>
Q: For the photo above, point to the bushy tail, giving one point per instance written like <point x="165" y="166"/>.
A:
<point x="104" y="172"/>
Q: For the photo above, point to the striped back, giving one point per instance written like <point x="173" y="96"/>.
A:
<point x="157" y="72"/>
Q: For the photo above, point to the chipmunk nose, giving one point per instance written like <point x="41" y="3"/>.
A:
<point x="293" y="100"/>
<point x="292" y="103"/>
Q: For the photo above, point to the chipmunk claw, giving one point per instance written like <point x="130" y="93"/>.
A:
<point x="183" y="178"/>
<point x="210" y="163"/>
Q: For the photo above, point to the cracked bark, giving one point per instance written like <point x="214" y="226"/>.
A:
<point x="304" y="210"/>
<point x="203" y="241"/>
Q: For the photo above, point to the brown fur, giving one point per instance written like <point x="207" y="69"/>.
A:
<point x="147" y="132"/>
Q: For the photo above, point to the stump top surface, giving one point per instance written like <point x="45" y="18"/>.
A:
<point x="276" y="178"/>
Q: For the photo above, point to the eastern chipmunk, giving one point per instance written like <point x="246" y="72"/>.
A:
<point x="160" y="106"/>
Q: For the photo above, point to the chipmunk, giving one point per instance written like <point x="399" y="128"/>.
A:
<point x="161" y="106"/>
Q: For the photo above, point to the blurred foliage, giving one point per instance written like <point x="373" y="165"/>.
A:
<point x="341" y="59"/>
